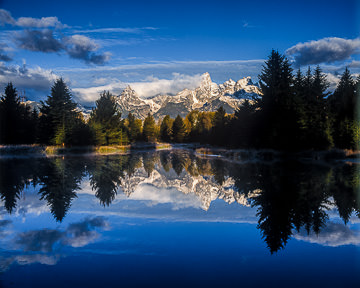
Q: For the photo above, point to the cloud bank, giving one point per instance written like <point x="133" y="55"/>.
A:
<point x="151" y="86"/>
<point x="34" y="80"/>
<point x="325" y="50"/>
<point x="42" y="39"/>
<point x="29" y="22"/>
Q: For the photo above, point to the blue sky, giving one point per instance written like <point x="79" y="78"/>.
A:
<point x="97" y="45"/>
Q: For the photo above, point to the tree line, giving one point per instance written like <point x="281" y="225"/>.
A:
<point x="294" y="112"/>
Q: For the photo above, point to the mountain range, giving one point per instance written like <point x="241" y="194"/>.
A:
<point x="208" y="97"/>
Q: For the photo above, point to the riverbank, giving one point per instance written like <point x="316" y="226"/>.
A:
<point x="200" y="150"/>
<point x="39" y="150"/>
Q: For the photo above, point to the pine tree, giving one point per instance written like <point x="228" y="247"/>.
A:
<point x="179" y="129"/>
<point x="58" y="115"/>
<point x="149" y="131"/>
<point x="219" y="127"/>
<point x="106" y="121"/>
<point x="166" y="129"/>
<point x="15" y="119"/>
<point x="134" y="127"/>
<point x="278" y="115"/>
<point x="343" y="105"/>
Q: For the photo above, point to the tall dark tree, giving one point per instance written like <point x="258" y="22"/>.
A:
<point x="106" y="121"/>
<point x="178" y="129"/>
<point x="15" y="119"/>
<point x="317" y="123"/>
<point x="58" y="115"/>
<point x="134" y="128"/>
<point x="149" y="129"/>
<point x="343" y="105"/>
<point x="242" y="126"/>
<point x="278" y="108"/>
<point x="219" y="127"/>
<point x="166" y="129"/>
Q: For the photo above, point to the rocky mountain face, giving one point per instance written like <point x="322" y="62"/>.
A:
<point x="208" y="97"/>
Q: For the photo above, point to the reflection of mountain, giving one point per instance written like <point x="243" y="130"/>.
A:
<point x="204" y="187"/>
<point x="288" y="196"/>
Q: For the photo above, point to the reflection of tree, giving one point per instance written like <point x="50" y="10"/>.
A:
<point x="61" y="178"/>
<point x="105" y="177"/>
<point x="179" y="161"/>
<point x="134" y="162"/>
<point x="292" y="195"/>
<point x="15" y="175"/>
<point x="219" y="170"/>
<point x="344" y="188"/>
<point x="149" y="160"/>
<point x="165" y="160"/>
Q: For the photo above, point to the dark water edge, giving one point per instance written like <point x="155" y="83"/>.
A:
<point x="207" y="150"/>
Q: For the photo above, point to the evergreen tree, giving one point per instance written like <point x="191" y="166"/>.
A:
<point x="179" y="129"/>
<point x="149" y="129"/>
<point x="106" y="121"/>
<point x="58" y="115"/>
<point x="219" y="127"/>
<point x="278" y="123"/>
<point x="15" y="119"/>
<point x="166" y="129"/>
<point x="242" y="125"/>
<point x="134" y="127"/>
<point x="343" y="105"/>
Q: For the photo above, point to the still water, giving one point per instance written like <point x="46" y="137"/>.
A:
<point x="175" y="219"/>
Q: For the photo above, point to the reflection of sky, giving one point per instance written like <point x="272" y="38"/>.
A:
<point x="162" y="234"/>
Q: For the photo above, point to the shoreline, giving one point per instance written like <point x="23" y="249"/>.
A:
<point x="200" y="150"/>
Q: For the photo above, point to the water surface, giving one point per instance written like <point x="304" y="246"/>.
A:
<point x="174" y="219"/>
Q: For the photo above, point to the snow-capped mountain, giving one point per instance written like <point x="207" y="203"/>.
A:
<point x="208" y="97"/>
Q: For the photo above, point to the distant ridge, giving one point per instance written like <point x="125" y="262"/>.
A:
<point x="208" y="97"/>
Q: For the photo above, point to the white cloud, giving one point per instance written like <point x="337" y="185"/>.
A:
<point x="27" y="22"/>
<point x="149" y="87"/>
<point x="24" y="78"/>
<point x="135" y="30"/>
<point x="93" y="93"/>
<point x="153" y="86"/>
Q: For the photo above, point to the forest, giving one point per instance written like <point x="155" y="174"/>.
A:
<point x="295" y="112"/>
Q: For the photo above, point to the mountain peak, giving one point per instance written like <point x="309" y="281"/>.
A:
<point x="205" y="80"/>
<point x="128" y="89"/>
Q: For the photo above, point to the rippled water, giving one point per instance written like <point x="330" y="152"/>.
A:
<point x="174" y="219"/>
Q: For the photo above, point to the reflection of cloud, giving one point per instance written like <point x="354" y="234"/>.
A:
<point x="325" y="50"/>
<point x="5" y="263"/>
<point x="333" y="235"/>
<point x="76" y="235"/>
<point x="81" y="234"/>
<point x="41" y="240"/>
<point x="156" y="195"/>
